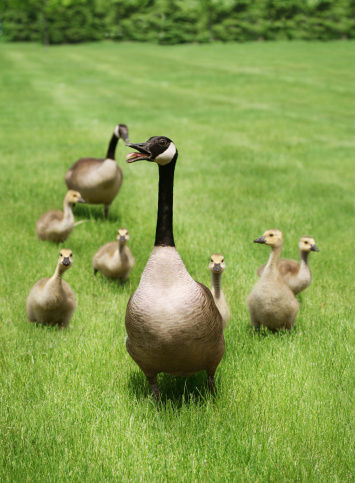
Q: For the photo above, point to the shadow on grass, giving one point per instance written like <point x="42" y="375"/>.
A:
<point x="264" y="332"/>
<point x="175" y="391"/>
<point x="95" y="212"/>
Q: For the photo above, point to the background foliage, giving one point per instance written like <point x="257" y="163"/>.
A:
<point x="176" y="21"/>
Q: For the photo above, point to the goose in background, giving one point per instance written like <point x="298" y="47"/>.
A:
<point x="57" y="225"/>
<point x="217" y="266"/>
<point x="51" y="300"/>
<point x="271" y="302"/>
<point x="298" y="276"/>
<point x="99" y="180"/>
<point x="114" y="259"/>
<point x="172" y="322"/>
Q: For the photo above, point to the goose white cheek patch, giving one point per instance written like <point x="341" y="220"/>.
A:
<point x="117" y="132"/>
<point x="167" y="155"/>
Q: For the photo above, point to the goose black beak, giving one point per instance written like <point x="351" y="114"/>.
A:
<point x="217" y="267"/>
<point x="143" y="154"/>
<point x="314" y="248"/>
<point x="123" y="131"/>
<point x="260" y="240"/>
<point x="66" y="261"/>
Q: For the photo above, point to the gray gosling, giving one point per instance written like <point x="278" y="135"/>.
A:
<point x="217" y="266"/>
<point x="99" y="179"/>
<point x="271" y="302"/>
<point x="51" y="300"/>
<point x="172" y="322"/>
<point x="57" y="225"/>
<point x="115" y="260"/>
<point x="298" y="276"/>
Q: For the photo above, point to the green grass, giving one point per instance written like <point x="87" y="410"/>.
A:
<point x="265" y="134"/>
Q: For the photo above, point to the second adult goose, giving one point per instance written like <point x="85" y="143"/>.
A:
<point x="271" y="302"/>
<point x="114" y="259"/>
<point x="172" y="322"/>
<point x="298" y="276"/>
<point x="97" y="179"/>
<point x="57" y="225"/>
<point x="217" y="266"/>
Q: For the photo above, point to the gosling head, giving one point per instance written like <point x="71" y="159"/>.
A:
<point x="65" y="259"/>
<point x="217" y="264"/>
<point x="307" y="244"/>
<point x="273" y="238"/>
<point x="158" y="148"/>
<point x="122" y="236"/>
<point x="121" y="131"/>
<point x="73" y="197"/>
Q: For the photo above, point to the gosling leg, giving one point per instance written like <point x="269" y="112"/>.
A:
<point x="106" y="208"/>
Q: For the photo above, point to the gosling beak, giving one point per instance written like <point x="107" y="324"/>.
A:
<point x="143" y="154"/>
<point x="217" y="267"/>
<point x="260" y="240"/>
<point x="122" y="239"/>
<point x="66" y="261"/>
<point x="81" y="200"/>
<point x="123" y="131"/>
<point x="314" y="248"/>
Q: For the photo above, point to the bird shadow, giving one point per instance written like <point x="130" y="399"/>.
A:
<point x="175" y="391"/>
<point x="94" y="212"/>
<point x="263" y="332"/>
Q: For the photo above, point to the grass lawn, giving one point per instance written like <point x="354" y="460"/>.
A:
<point x="266" y="139"/>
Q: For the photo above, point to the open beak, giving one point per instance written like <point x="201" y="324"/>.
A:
<point x="143" y="154"/>
<point x="314" y="248"/>
<point x="260" y="240"/>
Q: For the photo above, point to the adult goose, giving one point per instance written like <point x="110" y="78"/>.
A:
<point x="51" y="300"/>
<point x="217" y="266"/>
<point x="298" y="276"/>
<point x="56" y="225"/>
<point x="271" y="302"/>
<point x="99" y="180"/>
<point x="172" y="322"/>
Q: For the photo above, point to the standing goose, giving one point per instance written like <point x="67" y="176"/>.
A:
<point x="99" y="180"/>
<point x="57" y="225"/>
<point x="271" y="302"/>
<point x="298" y="276"/>
<point x="172" y="322"/>
<point x="217" y="266"/>
<point x="51" y="300"/>
<point x="115" y="260"/>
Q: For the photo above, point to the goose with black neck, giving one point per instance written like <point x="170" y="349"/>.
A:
<point x="172" y="322"/>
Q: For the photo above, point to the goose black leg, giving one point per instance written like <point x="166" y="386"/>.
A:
<point x="154" y="387"/>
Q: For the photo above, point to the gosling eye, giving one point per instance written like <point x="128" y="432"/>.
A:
<point x="211" y="260"/>
<point x="223" y="260"/>
<point x="71" y="255"/>
<point x="306" y="242"/>
<point x="61" y="254"/>
<point x="271" y="234"/>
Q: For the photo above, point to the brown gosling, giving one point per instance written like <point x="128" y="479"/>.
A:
<point x="298" y="276"/>
<point x="51" y="300"/>
<point x="217" y="266"/>
<point x="115" y="260"/>
<point x="57" y="225"/>
<point x="99" y="179"/>
<point x="271" y="302"/>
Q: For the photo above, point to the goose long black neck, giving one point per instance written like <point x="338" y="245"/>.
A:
<point x="112" y="147"/>
<point x="164" y="233"/>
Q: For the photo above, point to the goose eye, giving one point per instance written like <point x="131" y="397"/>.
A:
<point x="71" y="255"/>
<point x="306" y="242"/>
<point x="211" y="260"/>
<point x="271" y="234"/>
<point x="162" y="141"/>
<point x="223" y="260"/>
<point x="61" y="254"/>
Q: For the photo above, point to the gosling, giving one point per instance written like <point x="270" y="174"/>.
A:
<point x="115" y="260"/>
<point x="271" y="302"/>
<point x="51" y="300"/>
<point x="57" y="225"/>
<point x="217" y="266"/>
<point x="298" y="276"/>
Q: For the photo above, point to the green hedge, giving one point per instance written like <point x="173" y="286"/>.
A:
<point x="176" y="21"/>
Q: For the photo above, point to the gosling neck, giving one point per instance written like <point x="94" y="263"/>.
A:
<point x="273" y="262"/>
<point x="112" y="147"/>
<point x="164" y="232"/>
<point x="122" y="250"/>
<point x="304" y="256"/>
<point x="55" y="281"/>
<point x="68" y="211"/>
<point x="216" y="282"/>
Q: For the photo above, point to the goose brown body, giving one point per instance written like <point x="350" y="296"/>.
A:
<point x="271" y="302"/>
<point x="99" y="179"/>
<point x="57" y="225"/>
<point x="298" y="276"/>
<point x="114" y="259"/>
<point x="172" y="322"/>
<point x="51" y="300"/>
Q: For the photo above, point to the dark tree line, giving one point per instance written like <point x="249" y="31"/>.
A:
<point x="175" y="21"/>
